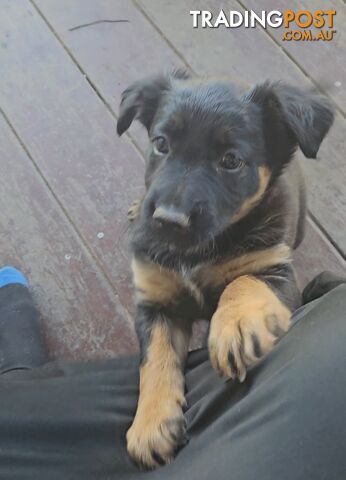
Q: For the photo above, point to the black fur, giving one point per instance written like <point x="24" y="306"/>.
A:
<point x="281" y="279"/>
<point x="307" y="116"/>
<point x="201" y="122"/>
<point x="147" y="315"/>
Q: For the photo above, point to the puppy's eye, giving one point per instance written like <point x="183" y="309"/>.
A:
<point x="231" y="162"/>
<point x="160" y="145"/>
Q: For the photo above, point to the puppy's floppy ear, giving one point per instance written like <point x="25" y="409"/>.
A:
<point x="307" y="116"/>
<point x="141" y="99"/>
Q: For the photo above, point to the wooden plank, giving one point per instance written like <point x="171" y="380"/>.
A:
<point x="72" y="137"/>
<point x="313" y="257"/>
<point x="250" y="55"/>
<point x="112" y="54"/>
<point x="102" y="66"/>
<point x="82" y="317"/>
<point x="247" y="55"/>
<point x="324" y="62"/>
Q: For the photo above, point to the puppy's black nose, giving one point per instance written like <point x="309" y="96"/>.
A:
<point x="171" y="216"/>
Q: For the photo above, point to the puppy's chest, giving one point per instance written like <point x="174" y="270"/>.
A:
<point x="203" y="283"/>
<point x="191" y="279"/>
<point x="215" y="276"/>
<point x="206" y="282"/>
<point x="155" y="284"/>
<point x="194" y="295"/>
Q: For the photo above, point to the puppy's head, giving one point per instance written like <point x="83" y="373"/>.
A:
<point x="214" y="150"/>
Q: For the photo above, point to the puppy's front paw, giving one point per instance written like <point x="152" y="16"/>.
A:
<point x="155" y="434"/>
<point x="245" y="326"/>
<point x="133" y="211"/>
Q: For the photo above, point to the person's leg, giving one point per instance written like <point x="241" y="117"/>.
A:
<point x="320" y="285"/>
<point x="286" y="421"/>
<point x="21" y="345"/>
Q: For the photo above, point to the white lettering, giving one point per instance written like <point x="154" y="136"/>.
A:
<point x="232" y="21"/>
<point x="195" y="14"/>
<point x="206" y="17"/>
<point x="277" y="21"/>
<point x="221" y="20"/>
<point x="248" y="19"/>
<point x="258" y="19"/>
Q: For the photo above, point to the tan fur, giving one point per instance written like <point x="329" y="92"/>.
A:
<point x="159" y="411"/>
<point x="154" y="283"/>
<point x="264" y="177"/>
<point x="249" y="263"/>
<point x="247" y="307"/>
<point x="160" y="285"/>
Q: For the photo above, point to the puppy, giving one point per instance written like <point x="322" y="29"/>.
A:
<point x="212" y="238"/>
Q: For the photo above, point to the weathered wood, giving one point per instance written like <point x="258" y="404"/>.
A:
<point x="112" y="55"/>
<point x="312" y="257"/>
<point x="82" y="316"/>
<point x="72" y="137"/>
<point x="322" y="61"/>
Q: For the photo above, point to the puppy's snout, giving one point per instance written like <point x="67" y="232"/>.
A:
<point x="170" y="216"/>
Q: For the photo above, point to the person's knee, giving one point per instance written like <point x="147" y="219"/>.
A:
<point x="319" y="337"/>
<point x="322" y="284"/>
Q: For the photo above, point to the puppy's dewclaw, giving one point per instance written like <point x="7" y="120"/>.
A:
<point x="133" y="211"/>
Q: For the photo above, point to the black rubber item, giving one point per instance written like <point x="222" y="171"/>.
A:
<point x="21" y="344"/>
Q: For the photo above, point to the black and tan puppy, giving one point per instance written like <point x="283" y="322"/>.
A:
<point x="224" y="206"/>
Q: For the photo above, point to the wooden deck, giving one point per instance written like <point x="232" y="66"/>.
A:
<point x="66" y="180"/>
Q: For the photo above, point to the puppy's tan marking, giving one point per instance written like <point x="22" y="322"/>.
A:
<point x="159" y="425"/>
<point x="244" y="325"/>
<point x="264" y="177"/>
<point x="249" y="263"/>
<point x="154" y="283"/>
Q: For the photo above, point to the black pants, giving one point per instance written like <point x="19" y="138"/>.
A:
<point x="287" y="421"/>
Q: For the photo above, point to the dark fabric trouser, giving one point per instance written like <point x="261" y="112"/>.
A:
<point x="287" y="421"/>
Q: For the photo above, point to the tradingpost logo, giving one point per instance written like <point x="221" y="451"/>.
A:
<point x="301" y="25"/>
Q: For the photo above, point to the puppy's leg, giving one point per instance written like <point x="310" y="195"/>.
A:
<point x="253" y="312"/>
<point x="159" y="425"/>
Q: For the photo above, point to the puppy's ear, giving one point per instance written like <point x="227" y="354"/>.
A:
<point x="141" y="100"/>
<point x="307" y="116"/>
